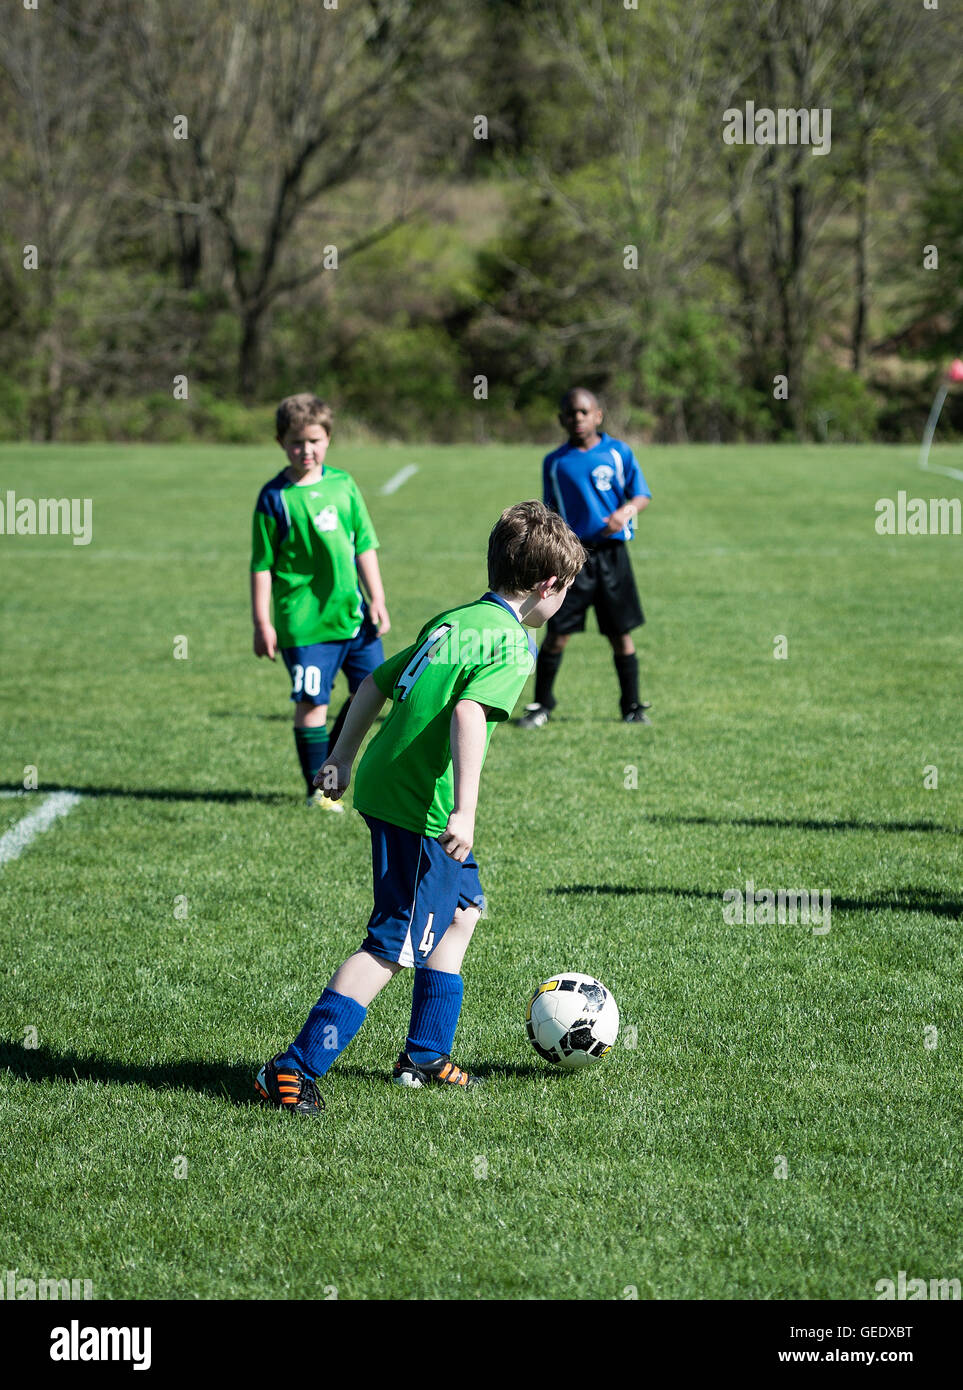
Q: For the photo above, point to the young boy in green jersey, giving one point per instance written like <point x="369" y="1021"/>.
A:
<point x="313" y="539"/>
<point x="417" y="789"/>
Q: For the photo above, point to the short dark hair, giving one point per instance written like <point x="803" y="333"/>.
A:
<point x="305" y="408"/>
<point x="565" y="399"/>
<point x="528" y="544"/>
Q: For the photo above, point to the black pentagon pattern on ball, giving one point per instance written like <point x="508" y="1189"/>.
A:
<point x="593" y="997"/>
<point x="579" y="1038"/>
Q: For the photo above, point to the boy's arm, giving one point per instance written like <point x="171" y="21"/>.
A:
<point x="640" y="499"/>
<point x="469" y="722"/>
<point x="265" y="638"/>
<point x="370" y="575"/>
<point x="621" y="518"/>
<point x="334" y="776"/>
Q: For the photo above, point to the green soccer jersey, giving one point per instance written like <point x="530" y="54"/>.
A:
<point x="477" y="652"/>
<point x="308" y="536"/>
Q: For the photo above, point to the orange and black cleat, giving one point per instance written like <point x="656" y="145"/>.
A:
<point x="286" y="1088"/>
<point x="414" y="1074"/>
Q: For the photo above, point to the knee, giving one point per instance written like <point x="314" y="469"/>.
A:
<point x="308" y="716"/>
<point x="465" y="920"/>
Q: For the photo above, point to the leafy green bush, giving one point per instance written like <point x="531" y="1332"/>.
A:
<point x="840" y="407"/>
<point x="14" y="409"/>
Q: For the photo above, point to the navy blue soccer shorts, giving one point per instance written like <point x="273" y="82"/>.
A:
<point x="607" y="584"/>
<point x="313" y="669"/>
<point x="417" y="888"/>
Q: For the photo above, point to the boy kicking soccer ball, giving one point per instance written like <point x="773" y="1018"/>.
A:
<point x="313" y="538"/>
<point x="596" y="484"/>
<point x="417" y="789"/>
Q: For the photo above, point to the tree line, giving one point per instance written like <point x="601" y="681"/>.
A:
<point x="733" y="219"/>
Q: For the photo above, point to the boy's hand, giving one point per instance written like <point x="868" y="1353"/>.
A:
<point x="620" y="519"/>
<point x="265" y="641"/>
<point x="332" y="778"/>
<point x="458" y="837"/>
<point x="378" y="614"/>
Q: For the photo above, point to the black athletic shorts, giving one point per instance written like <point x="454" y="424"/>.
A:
<point x="607" y="584"/>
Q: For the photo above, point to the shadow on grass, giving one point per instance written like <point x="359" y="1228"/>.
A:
<point x="233" y="1081"/>
<point x="781" y="823"/>
<point x="162" y="793"/>
<point x="654" y="818"/>
<point x="896" y="900"/>
<point x="244" y="714"/>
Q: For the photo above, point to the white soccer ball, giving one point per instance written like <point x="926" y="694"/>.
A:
<point x="572" y="1020"/>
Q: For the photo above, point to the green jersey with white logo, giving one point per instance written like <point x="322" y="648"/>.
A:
<point x="308" y="535"/>
<point x="477" y="652"/>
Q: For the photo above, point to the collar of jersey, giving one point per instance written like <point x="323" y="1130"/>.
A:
<point x="493" y="598"/>
<point x="604" y="441"/>
<point x="289" y="483"/>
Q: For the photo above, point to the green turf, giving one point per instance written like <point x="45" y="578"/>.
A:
<point x="656" y="1170"/>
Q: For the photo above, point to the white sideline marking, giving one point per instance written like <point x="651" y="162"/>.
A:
<point x="929" y="431"/>
<point x="13" y="844"/>
<point x="393" y="484"/>
<point x="943" y="468"/>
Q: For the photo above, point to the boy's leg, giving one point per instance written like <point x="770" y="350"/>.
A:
<point x="438" y="990"/>
<point x="362" y="976"/>
<point x="339" y="1013"/>
<point x="312" y="670"/>
<point x="546" y="668"/>
<point x="619" y="611"/>
<point x="288" y="1080"/>
<point x="310" y="739"/>
<point x="569" y="619"/>
<point x="627" y="670"/>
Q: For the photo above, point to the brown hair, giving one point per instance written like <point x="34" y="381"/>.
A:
<point x="528" y="544"/>
<point x="295" y="412"/>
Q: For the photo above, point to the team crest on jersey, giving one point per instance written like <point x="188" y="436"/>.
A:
<point x="327" y="519"/>
<point x="602" y="477"/>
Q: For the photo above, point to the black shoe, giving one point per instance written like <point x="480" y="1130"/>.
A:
<point x="534" y="717"/>
<point x="636" y="714"/>
<point x="415" y="1074"/>
<point x="286" y="1088"/>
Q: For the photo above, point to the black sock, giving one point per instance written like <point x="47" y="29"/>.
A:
<point x="627" y="669"/>
<point x="546" y="669"/>
<point x="339" y="722"/>
<point x="312" y="746"/>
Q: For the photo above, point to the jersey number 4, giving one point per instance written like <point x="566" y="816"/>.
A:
<point x="419" y="662"/>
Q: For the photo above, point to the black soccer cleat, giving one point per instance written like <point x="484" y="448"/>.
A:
<point x="636" y="714"/>
<point x="443" y="1070"/>
<point x="534" y="717"/>
<point x="286" y="1088"/>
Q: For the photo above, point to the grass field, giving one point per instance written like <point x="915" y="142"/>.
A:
<point x="134" y="1155"/>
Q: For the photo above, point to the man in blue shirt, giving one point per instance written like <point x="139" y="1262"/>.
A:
<point x="595" y="484"/>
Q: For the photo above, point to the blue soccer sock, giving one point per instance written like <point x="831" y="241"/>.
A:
<point x="435" y="1006"/>
<point x="329" y="1027"/>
